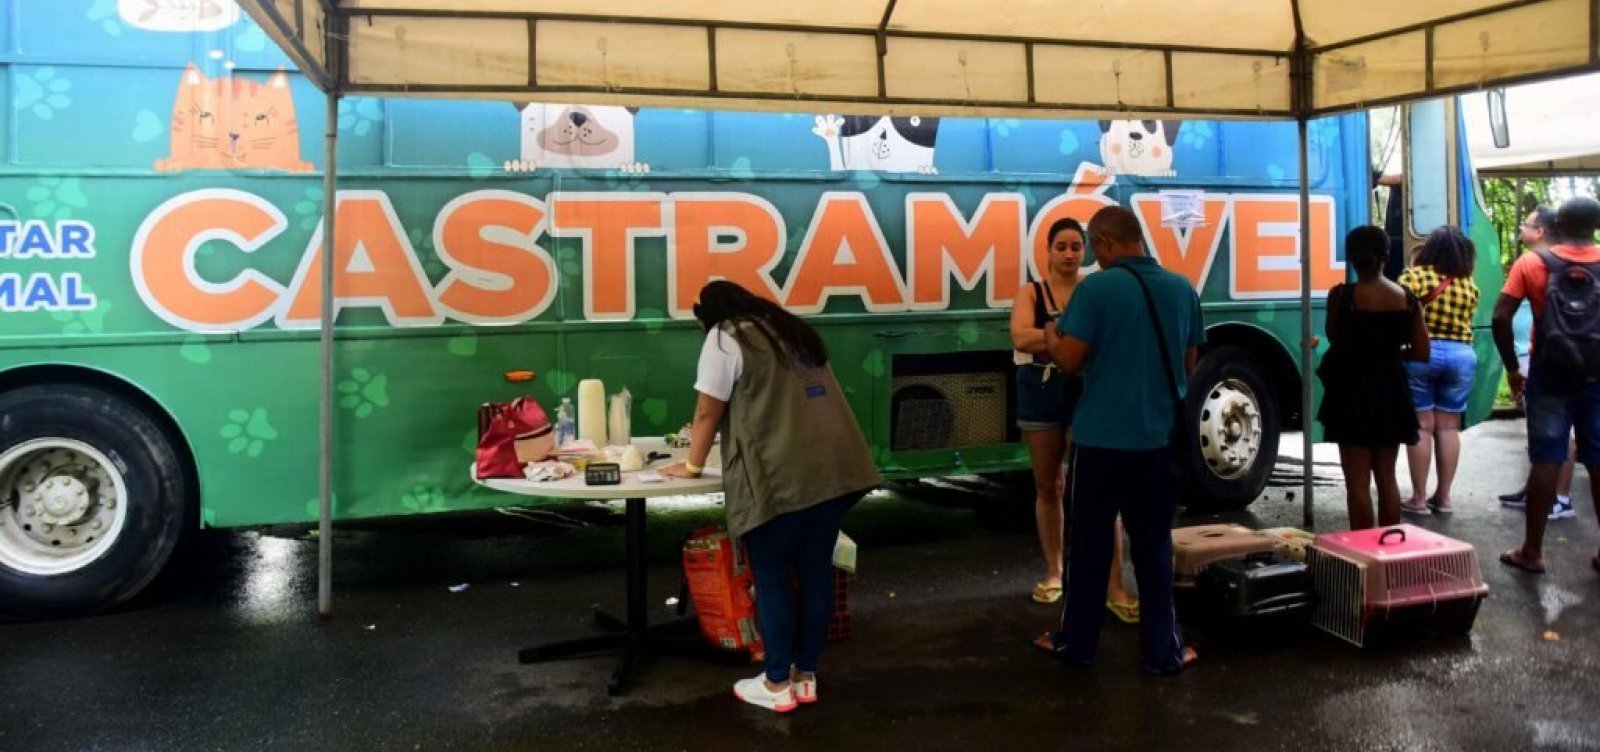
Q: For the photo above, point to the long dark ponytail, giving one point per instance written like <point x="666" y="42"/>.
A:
<point x="792" y="339"/>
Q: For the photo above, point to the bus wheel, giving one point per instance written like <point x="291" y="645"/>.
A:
<point x="1233" y="425"/>
<point x="92" y="500"/>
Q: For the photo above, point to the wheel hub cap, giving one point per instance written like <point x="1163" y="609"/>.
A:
<point x="62" y="503"/>
<point x="1230" y="429"/>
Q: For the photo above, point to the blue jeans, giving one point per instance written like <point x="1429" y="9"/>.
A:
<point x="1143" y="486"/>
<point x="1444" y="382"/>
<point x="790" y="547"/>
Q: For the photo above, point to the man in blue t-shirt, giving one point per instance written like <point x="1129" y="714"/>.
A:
<point x="1122" y="458"/>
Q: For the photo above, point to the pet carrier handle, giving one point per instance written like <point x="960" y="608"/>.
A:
<point x="1383" y="540"/>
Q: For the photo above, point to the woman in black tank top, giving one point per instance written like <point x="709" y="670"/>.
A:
<point x="1046" y="398"/>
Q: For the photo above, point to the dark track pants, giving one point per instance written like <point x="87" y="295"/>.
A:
<point x="1143" y="486"/>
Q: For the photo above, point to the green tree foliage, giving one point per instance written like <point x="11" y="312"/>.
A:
<point x="1507" y="208"/>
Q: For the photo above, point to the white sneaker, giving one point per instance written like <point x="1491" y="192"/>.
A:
<point x="755" y="692"/>
<point x="805" y="690"/>
<point x="1563" y="509"/>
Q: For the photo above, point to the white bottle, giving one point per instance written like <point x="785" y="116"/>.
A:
<point x="592" y="411"/>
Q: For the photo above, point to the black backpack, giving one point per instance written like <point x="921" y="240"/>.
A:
<point x="1569" y="331"/>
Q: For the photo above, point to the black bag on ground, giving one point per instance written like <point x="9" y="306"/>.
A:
<point x="1260" y="587"/>
<point x="1568" y="349"/>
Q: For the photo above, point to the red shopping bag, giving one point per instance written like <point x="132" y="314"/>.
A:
<point x="511" y="434"/>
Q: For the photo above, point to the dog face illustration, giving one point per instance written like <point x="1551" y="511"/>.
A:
<point x="883" y="144"/>
<point x="1138" y="147"/>
<point x="561" y="135"/>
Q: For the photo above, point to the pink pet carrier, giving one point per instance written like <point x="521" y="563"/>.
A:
<point x="1377" y="582"/>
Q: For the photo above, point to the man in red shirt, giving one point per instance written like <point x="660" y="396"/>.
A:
<point x="1552" y="411"/>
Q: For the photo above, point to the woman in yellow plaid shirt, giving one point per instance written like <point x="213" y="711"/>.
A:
<point x="1441" y="277"/>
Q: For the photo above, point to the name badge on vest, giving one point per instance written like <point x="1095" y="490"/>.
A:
<point x="816" y="391"/>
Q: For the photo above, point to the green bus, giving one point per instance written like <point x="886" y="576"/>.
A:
<point x="160" y="215"/>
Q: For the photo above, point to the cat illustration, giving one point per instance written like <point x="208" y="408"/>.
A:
<point x="178" y="15"/>
<point x="233" y="124"/>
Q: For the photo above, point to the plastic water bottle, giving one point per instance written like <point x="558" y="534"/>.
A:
<point x="565" y="428"/>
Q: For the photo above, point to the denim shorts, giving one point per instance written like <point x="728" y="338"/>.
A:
<point x="1445" y="381"/>
<point x="1553" y="416"/>
<point x="1046" y="398"/>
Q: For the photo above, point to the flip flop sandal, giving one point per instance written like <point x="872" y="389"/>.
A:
<point x="1408" y="509"/>
<point x="1046" y="594"/>
<point x="1514" y="559"/>
<point x="1436" y="508"/>
<point x="1127" y="613"/>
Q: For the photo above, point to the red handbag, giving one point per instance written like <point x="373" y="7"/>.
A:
<point x="511" y="434"/>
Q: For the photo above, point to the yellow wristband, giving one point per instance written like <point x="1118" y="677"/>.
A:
<point x="693" y="468"/>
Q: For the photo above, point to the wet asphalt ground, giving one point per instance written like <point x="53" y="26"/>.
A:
<point x="227" y="653"/>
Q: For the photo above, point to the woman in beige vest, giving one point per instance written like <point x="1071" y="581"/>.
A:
<point x="793" y="462"/>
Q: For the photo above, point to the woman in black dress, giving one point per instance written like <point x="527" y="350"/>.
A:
<point x="1373" y="326"/>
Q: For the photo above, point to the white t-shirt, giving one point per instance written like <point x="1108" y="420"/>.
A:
<point x="721" y="363"/>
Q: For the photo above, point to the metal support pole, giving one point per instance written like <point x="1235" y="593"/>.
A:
<point x="330" y="192"/>
<point x="1307" y="350"/>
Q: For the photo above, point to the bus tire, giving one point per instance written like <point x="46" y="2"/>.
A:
<point x="93" y="500"/>
<point x="1232" y="422"/>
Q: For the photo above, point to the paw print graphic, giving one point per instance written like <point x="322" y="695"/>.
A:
<point x="1069" y="143"/>
<point x="43" y="93"/>
<point x="92" y="321"/>
<point x="104" y="13"/>
<point x="520" y="166"/>
<point x="57" y="198"/>
<point x="1196" y="134"/>
<point x="364" y="392"/>
<point x="635" y="168"/>
<point x="359" y="115"/>
<point x="927" y="169"/>
<point x="248" y="432"/>
<point x="422" y="244"/>
<point x="423" y="498"/>
<point x="308" y="210"/>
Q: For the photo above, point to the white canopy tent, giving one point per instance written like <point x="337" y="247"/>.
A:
<point x="1551" y="125"/>
<point x="1282" y="59"/>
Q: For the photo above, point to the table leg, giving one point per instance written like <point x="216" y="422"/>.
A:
<point x="633" y="633"/>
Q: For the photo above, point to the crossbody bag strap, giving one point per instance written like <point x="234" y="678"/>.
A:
<point x="1429" y="298"/>
<point x="1161" y="336"/>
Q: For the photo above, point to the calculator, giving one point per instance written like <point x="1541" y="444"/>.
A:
<point x="602" y="474"/>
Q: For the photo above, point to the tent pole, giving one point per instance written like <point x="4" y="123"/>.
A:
<point x="1307" y="349"/>
<point x="330" y="181"/>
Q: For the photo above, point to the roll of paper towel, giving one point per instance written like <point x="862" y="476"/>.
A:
<point x="592" y="411"/>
